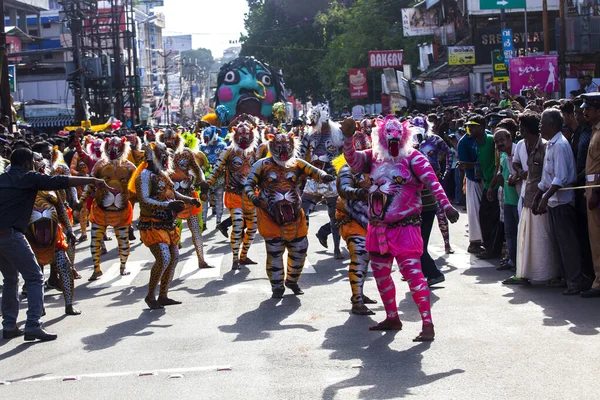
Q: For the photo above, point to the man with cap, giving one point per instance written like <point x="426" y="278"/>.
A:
<point x="591" y="112"/>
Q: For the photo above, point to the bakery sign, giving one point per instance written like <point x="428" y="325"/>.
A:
<point x="359" y="88"/>
<point x="386" y="59"/>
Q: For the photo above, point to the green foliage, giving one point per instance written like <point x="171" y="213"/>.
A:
<point x="315" y="42"/>
<point x="197" y="62"/>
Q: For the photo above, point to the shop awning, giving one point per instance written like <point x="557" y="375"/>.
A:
<point x="50" y="122"/>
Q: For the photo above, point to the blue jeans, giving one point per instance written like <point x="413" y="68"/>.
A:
<point x="511" y="227"/>
<point x="16" y="257"/>
<point x="458" y="185"/>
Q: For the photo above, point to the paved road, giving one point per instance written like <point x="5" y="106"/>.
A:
<point x="229" y="340"/>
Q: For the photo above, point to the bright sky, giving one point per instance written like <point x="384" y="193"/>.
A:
<point x="213" y="23"/>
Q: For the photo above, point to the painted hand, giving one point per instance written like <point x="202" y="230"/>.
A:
<point x="452" y="214"/>
<point x="348" y="127"/>
<point x="176" y="206"/>
<point x="328" y="178"/>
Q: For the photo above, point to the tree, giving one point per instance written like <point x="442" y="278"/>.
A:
<point x="198" y="63"/>
<point x="281" y="33"/>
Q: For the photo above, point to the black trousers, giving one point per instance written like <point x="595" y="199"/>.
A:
<point x="564" y="227"/>
<point x="430" y="269"/>
<point x="492" y="229"/>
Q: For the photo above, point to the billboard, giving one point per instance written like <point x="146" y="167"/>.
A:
<point x="452" y="90"/>
<point x="535" y="71"/>
<point x="386" y="59"/>
<point x="359" y="88"/>
<point x="419" y="21"/>
<point x="461" y="55"/>
<point x="178" y="43"/>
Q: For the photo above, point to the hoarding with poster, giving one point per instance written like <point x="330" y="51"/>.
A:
<point x="358" y="83"/>
<point x="419" y="21"/>
<point x="452" y="90"/>
<point x="535" y="71"/>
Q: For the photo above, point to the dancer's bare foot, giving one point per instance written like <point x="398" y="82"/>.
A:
<point x="70" y="310"/>
<point x="246" y="261"/>
<point x="124" y="272"/>
<point x="235" y="266"/>
<point x="278" y="293"/>
<point x="427" y="334"/>
<point x="361" y="309"/>
<point x="165" y="301"/>
<point x="95" y="276"/>
<point x="152" y="303"/>
<point x="389" y="324"/>
<point x="204" y="264"/>
<point x="76" y="274"/>
<point x="103" y="251"/>
<point x="449" y="250"/>
<point x="338" y="255"/>
<point x="295" y="288"/>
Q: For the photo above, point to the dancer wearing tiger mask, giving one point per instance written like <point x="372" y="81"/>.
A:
<point x="281" y="220"/>
<point x="397" y="173"/>
<point x="80" y="168"/>
<point x="212" y="147"/>
<point x="186" y="176"/>
<point x="159" y="205"/>
<point x="320" y="147"/>
<point x="235" y="164"/>
<point x="352" y="219"/>
<point x="50" y="234"/>
<point x="111" y="207"/>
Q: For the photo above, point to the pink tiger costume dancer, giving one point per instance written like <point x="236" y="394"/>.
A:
<point x="397" y="174"/>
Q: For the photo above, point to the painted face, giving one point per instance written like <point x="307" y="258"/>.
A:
<point x="366" y="126"/>
<point x="133" y="140"/>
<point x="247" y="86"/>
<point x="150" y="136"/>
<point x="243" y="136"/>
<point x="160" y="155"/>
<point x="96" y="148"/>
<point x="171" y="139"/>
<point x="114" y="148"/>
<point x="40" y="164"/>
<point x="319" y="114"/>
<point x="361" y="141"/>
<point x="392" y="135"/>
<point x="210" y="135"/>
<point x="281" y="145"/>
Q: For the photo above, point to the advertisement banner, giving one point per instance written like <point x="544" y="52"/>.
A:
<point x="359" y="88"/>
<point x="419" y="21"/>
<point x="461" y="55"/>
<point x="386" y="59"/>
<point x="452" y="90"/>
<point x="537" y="71"/>
<point x="500" y="67"/>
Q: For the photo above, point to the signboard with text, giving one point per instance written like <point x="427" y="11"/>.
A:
<point x="507" y="45"/>
<point x="500" y="69"/>
<point x="386" y="59"/>
<point x="500" y="4"/>
<point x="461" y="55"/>
<point x="536" y="71"/>
<point x="452" y="90"/>
<point x="358" y="83"/>
<point x="419" y="21"/>
<point x="12" y="76"/>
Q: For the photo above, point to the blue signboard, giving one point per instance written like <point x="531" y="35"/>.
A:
<point x="508" y="46"/>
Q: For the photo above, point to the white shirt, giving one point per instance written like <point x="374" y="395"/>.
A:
<point x="593" y="87"/>
<point x="559" y="169"/>
<point x="520" y="155"/>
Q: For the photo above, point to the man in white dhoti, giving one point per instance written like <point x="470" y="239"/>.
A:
<point x="536" y="259"/>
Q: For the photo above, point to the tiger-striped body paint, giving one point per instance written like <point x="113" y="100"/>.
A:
<point x="235" y="164"/>
<point x="111" y="207"/>
<point x="397" y="173"/>
<point x="274" y="187"/>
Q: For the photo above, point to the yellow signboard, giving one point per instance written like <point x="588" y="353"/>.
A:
<point x="461" y="55"/>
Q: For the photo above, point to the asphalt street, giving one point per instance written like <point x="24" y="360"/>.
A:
<point x="229" y="340"/>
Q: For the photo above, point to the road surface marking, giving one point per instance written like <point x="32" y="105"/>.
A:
<point x="112" y="277"/>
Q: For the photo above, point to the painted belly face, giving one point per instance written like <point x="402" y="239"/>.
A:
<point x="43" y="223"/>
<point x="117" y="197"/>
<point x="280" y="189"/>
<point x="392" y="192"/>
<point x="430" y="150"/>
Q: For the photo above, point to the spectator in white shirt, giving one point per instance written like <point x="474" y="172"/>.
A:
<point x="590" y="85"/>
<point x="559" y="172"/>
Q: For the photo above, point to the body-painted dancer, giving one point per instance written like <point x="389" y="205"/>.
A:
<point x="111" y="207"/>
<point x="432" y="146"/>
<point x="281" y="220"/>
<point x="397" y="173"/>
<point x="186" y="176"/>
<point x="159" y="205"/>
<point x="235" y="164"/>
<point x="212" y="147"/>
<point x="50" y="234"/>
<point x="352" y="219"/>
<point x="320" y="147"/>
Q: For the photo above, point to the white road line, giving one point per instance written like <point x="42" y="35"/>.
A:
<point x="122" y="373"/>
<point x="112" y="277"/>
<point x="190" y="268"/>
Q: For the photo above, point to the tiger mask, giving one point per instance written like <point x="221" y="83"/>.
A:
<point x="282" y="146"/>
<point x="158" y="156"/>
<point x="116" y="149"/>
<point x="244" y="139"/>
<point x="172" y="140"/>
